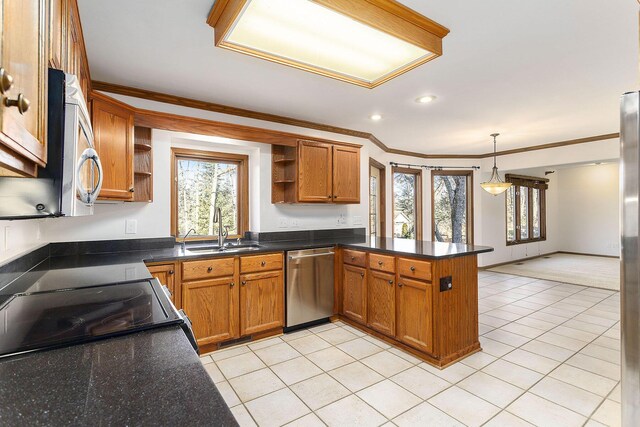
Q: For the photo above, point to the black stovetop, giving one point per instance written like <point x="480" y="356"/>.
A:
<point x="42" y="320"/>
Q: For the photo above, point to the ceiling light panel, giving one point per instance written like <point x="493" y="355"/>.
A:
<point x="309" y="35"/>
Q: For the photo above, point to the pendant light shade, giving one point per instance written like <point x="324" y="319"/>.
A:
<point x="495" y="185"/>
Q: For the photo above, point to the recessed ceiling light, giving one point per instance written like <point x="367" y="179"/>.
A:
<point x="375" y="117"/>
<point x="358" y="41"/>
<point x="425" y="99"/>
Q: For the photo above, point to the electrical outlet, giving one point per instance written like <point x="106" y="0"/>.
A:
<point x="130" y="226"/>
<point x="446" y="283"/>
<point x="342" y="220"/>
<point x="283" y="223"/>
<point x="295" y="223"/>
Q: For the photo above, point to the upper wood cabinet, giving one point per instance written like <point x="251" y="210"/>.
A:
<point x="113" y="133"/>
<point x="23" y="86"/>
<point x="315" y="172"/>
<point x="346" y="174"/>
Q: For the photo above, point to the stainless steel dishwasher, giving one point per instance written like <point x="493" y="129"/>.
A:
<point x="309" y="286"/>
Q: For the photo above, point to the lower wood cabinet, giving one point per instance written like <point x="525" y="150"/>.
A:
<point x="225" y="302"/>
<point x="261" y="302"/>
<point x="354" y="290"/>
<point x="212" y="307"/>
<point x="166" y="274"/>
<point x="415" y="313"/>
<point x="381" y="302"/>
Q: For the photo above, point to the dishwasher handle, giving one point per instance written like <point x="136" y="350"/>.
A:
<point x="311" y="255"/>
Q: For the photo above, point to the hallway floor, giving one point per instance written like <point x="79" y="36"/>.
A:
<point x="551" y="357"/>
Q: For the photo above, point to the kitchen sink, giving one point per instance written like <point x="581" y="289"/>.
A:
<point x="217" y="249"/>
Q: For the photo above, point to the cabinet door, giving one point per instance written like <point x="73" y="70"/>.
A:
<point x="381" y="302"/>
<point x="314" y="172"/>
<point x="24" y="58"/>
<point x="261" y="302"/>
<point x="113" y="132"/>
<point x="212" y="307"/>
<point x="166" y="274"/>
<point x="354" y="291"/>
<point x="346" y="174"/>
<point x="57" y="14"/>
<point x="415" y="314"/>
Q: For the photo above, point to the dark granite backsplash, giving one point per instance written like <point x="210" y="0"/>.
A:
<point x="110" y="246"/>
<point x="277" y="236"/>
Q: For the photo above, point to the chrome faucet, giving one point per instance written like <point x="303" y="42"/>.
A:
<point x="184" y="239"/>
<point x="222" y="235"/>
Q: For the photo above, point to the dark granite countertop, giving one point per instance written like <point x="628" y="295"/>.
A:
<point x="147" y="378"/>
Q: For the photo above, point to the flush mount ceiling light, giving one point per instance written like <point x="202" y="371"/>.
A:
<point x="375" y="117"/>
<point x="365" y="42"/>
<point x="425" y="99"/>
<point x="495" y="185"/>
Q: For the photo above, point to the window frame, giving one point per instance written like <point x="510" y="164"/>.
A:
<point x="241" y="160"/>
<point x="418" y="198"/>
<point x="381" y="196"/>
<point x="470" y="222"/>
<point x="530" y="183"/>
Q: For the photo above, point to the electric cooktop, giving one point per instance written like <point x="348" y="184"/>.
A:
<point x="42" y="320"/>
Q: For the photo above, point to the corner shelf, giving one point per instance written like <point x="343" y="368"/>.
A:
<point x="142" y="165"/>
<point x="284" y="171"/>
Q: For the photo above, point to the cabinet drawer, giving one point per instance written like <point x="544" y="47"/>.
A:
<point x="382" y="263"/>
<point x="420" y="270"/>
<point x="207" y="268"/>
<point x="254" y="263"/>
<point x="354" y="258"/>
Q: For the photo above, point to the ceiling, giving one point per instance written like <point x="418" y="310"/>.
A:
<point x="537" y="72"/>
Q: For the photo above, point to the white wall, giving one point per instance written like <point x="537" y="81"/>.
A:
<point x="589" y="213"/>
<point x="18" y="237"/>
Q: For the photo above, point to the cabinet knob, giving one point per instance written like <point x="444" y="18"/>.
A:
<point x="6" y="81"/>
<point x="361" y="274"/>
<point x="400" y="285"/>
<point x="391" y="282"/>
<point x="232" y="284"/>
<point x="21" y="103"/>
<point x="244" y="282"/>
<point x="328" y="197"/>
<point x="263" y="263"/>
<point x="380" y="263"/>
<point x="353" y="258"/>
<point x="335" y="197"/>
<point x="412" y="268"/>
<point x="131" y="190"/>
<point x="171" y="271"/>
<point x="209" y="269"/>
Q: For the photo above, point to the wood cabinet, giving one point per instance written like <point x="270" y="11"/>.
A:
<point x="316" y="172"/>
<point x="212" y="306"/>
<point x="354" y="289"/>
<point x="261" y="301"/>
<point x="166" y="274"/>
<point x="113" y="133"/>
<point x="381" y="302"/>
<point x="398" y="299"/>
<point x="346" y="174"/>
<point x="415" y="314"/>
<point x="23" y="86"/>
<point x="315" y="177"/>
<point x="231" y="297"/>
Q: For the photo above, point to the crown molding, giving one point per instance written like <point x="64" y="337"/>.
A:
<point x="274" y="118"/>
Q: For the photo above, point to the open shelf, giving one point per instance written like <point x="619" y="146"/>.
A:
<point x="142" y="165"/>
<point x="283" y="160"/>
<point x="284" y="181"/>
<point x="141" y="146"/>
<point x="143" y="173"/>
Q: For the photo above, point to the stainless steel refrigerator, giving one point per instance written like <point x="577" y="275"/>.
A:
<point x="630" y="263"/>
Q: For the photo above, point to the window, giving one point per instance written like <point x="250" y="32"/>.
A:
<point x="204" y="181"/>
<point x="525" y="209"/>
<point x="376" y="199"/>
<point x="407" y="203"/>
<point x="452" y="206"/>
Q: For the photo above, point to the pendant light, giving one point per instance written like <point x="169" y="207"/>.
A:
<point x="495" y="185"/>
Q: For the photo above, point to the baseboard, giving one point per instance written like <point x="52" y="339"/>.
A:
<point x="488" y="267"/>
<point x="587" y="254"/>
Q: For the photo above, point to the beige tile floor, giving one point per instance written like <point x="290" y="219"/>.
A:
<point x="551" y="357"/>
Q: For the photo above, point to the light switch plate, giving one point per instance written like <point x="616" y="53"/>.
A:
<point x="131" y="226"/>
